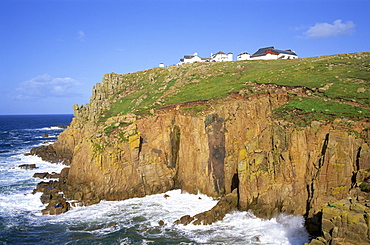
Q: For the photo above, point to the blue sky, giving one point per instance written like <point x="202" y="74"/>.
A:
<point x="52" y="52"/>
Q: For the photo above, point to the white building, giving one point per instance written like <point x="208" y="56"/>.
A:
<point x="191" y="59"/>
<point x="221" y="57"/>
<point x="243" y="56"/>
<point x="270" y="53"/>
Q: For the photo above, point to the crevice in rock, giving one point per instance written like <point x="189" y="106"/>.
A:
<point x="313" y="221"/>
<point x="214" y="126"/>
<point x="235" y="185"/>
<point x="140" y="146"/>
<point x="175" y="136"/>
<point x="323" y="152"/>
<point x="358" y="155"/>
<point x="357" y="167"/>
<point x="175" y="146"/>
<point x="235" y="182"/>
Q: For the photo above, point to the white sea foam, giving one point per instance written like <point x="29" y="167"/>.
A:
<point x="145" y="213"/>
<point x="51" y="128"/>
<point x="44" y="166"/>
<point x="18" y="183"/>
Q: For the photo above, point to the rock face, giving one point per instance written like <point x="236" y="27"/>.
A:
<point x="276" y="167"/>
<point x="347" y="221"/>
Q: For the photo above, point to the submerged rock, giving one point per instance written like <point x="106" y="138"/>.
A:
<point x="27" y="166"/>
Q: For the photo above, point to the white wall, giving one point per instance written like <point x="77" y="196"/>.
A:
<point x="221" y="57"/>
<point x="230" y="56"/>
<point x="287" y="56"/>
<point x="244" y="57"/>
<point x="196" y="58"/>
<point x="275" y="57"/>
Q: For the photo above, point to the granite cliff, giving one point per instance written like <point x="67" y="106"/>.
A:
<point x="285" y="146"/>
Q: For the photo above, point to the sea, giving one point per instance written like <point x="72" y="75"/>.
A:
<point x="147" y="220"/>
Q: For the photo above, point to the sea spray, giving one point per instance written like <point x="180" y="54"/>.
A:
<point x="138" y="219"/>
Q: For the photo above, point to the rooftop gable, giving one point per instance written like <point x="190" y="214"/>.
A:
<point x="262" y="51"/>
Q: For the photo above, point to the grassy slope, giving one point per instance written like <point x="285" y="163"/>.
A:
<point x="338" y="82"/>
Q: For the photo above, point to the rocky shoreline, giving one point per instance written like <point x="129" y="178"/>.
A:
<point x="346" y="221"/>
<point x="53" y="193"/>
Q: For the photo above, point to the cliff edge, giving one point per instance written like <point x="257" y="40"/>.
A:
<point x="290" y="136"/>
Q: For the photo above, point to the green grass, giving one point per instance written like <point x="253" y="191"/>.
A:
<point x="365" y="185"/>
<point x="304" y="110"/>
<point x="337" y="78"/>
<point x="194" y="110"/>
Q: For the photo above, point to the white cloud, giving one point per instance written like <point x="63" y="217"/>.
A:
<point x="44" y="86"/>
<point x="325" y="30"/>
<point x="81" y="36"/>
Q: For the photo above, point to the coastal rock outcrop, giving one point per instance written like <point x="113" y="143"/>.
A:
<point x="51" y="154"/>
<point x="230" y="145"/>
<point x="52" y="193"/>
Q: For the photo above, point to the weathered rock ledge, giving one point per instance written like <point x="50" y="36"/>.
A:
<point x="224" y="206"/>
<point x="50" y="154"/>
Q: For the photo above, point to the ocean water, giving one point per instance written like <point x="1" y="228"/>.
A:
<point x="133" y="221"/>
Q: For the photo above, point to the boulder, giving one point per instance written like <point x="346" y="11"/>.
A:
<point x="40" y="175"/>
<point x="45" y="198"/>
<point x="58" y="207"/>
<point x="185" y="220"/>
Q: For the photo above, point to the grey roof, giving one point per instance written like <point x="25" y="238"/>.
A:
<point x="262" y="51"/>
<point x="188" y="56"/>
